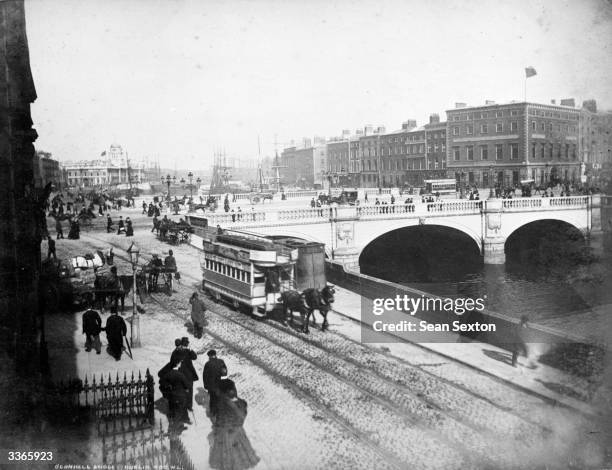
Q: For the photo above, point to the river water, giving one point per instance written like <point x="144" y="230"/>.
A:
<point x="552" y="279"/>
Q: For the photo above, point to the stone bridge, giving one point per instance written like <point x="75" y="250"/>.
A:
<point x="347" y="230"/>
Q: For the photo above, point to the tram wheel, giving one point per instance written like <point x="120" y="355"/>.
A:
<point x="235" y="304"/>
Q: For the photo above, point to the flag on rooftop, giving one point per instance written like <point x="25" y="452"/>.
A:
<point x="530" y="72"/>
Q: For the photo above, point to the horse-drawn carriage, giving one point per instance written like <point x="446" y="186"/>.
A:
<point x="261" y="197"/>
<point x="81" y="281"/>
<point x="155" y="277"/>
<point x="174" y="233"/>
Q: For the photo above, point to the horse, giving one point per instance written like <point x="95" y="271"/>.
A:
<point x="293" y="301"/>
<point x="103" y="290"/>
<point x="321" y="300"/>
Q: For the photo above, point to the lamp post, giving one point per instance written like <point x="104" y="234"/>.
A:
<point x="190" y="176"/>
<point x="167" y="180"/>
<point x="134" y="252"/>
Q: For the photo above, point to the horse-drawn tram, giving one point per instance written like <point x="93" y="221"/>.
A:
<point x="248" y="270"/>
<point x="253" y="271"/>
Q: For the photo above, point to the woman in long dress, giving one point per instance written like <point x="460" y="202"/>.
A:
<point x="230" y="447"/>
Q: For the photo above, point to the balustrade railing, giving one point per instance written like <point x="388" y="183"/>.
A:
<point x="306" y="213"/>
<point x="521" y="203"/>
<point x="301" y="194"/>
<point x="568" y="201"/>
<point x="455" y="206"/>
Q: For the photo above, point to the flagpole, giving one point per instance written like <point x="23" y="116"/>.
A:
<point x="525" y="88"/>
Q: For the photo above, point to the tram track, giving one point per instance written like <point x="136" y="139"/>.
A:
<point x="407" y="424"/>
<point x="415" y="408"/>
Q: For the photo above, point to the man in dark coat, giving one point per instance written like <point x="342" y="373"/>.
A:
<point x="120" y="226"/>
<point x="115" y="331"/>
<point x="51" y="248"/>
<point x="109" y="223"/>
<point x="198" y="315"/>
<point x="186" y="356"/>
<point x="214" y="370"/>
<point x="92" y="325"/>
<point x="175" y="385"/>
<point x="58" y="228"/>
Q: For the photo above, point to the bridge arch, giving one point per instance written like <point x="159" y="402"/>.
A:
<point x="575" y="223"/>
<point x="375" y="229"/>
<point x="421" y="253"/>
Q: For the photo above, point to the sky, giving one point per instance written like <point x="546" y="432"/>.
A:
<point x="178" y="80"/>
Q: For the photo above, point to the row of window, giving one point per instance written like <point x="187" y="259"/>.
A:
<point x="551" y="127"/>
<point x="224" y="269"/>
<point x="488" y="178"/>
<point x="542" y="150"/>
<point x="485" y="114"/>
<point x="499" y="128"/>
<point x="555" y="115"/>
<point x="484" y="128"/>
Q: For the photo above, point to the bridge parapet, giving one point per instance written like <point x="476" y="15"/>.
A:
<point x="526" y="203"/>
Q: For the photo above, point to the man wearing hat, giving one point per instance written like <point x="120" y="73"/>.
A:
<point x="214" y="369"/>
<point x="156" y="265"/>
<point x="186" y="356"/>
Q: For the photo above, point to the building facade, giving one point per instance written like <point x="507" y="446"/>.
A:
<point x="596" y="143"/>
<point x="47" y="170"/>
<point x="338" y="149"/>
<point x="504" y="144"/>
<point x="112" y="168"/>
<point x="304" y="166"/>
<point x="21" y="203"/>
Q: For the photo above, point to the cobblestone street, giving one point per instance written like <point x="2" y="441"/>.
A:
<point x="326" y="401"/>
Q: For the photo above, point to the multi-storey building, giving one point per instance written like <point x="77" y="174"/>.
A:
<point x="112" y="168"/>
<point x="369" y="153"/>
<point x="596" y="142"/>
<point x="504" y="144"/>
<point x="435" y="160"/>
<point x="304" y="166"/>
<point x="47" y="170"/>
<point x="338" y="149"/>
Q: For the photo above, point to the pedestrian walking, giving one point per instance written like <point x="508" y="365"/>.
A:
<point x="51" y="248"/>
<point x="519" y="345"/>
<point x="115" y="331"/>
<point x="214" y="370"/>
<point x="198" y="315"/>
<point x="58" y="228"/>
<point x="231" y="448"/>
<point x="92" y="326"/>
<point x="121" y="225"/>
<point x="186" y="356"/>
<point x="129" y="230"/>
<point x="175" y="385"/>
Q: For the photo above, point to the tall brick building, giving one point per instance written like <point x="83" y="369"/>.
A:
<point x="20" y="232"/>
<point x="504" y="144"/>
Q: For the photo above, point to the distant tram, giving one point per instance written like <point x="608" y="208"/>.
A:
<point x="251" y="271"/>
<point x="445" y="188"/>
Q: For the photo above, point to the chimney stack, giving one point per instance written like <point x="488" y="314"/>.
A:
<point x="489" y="102"/>
<point x="409" y="124"/>
<point x="434" y="118"/>
<point x="553" y="101"/>
<point x="590" y="105"/>
<point x="460" y="105"/>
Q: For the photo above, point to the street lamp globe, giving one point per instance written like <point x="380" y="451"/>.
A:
<point x="134" y="253"/>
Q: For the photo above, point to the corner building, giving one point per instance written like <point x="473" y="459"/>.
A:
<point x="504" y="144"/>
